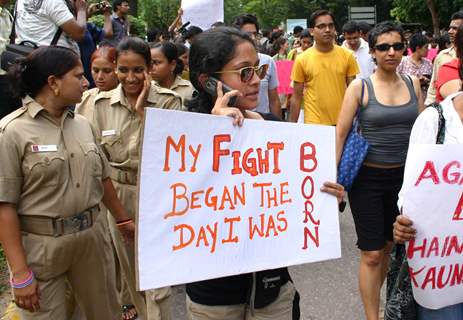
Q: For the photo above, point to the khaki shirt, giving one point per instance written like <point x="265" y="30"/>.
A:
<point x="86" y="106"/>
<point x="48" y="169"/>
<point x="119" y="127"/>
<point x="184" y="88"/>
<point x="443" y="57"/>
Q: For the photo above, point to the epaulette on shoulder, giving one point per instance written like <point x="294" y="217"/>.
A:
<point x="103" y="95"/>
<point x="10" y="117"/>
<point x="169" y="92"/>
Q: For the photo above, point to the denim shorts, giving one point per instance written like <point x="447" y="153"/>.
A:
<point x="373" y="200"/>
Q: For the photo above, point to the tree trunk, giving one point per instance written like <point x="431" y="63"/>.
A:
<point x="435" y="16"/>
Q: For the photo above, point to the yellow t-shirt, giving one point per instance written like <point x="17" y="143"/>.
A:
<point x="324" y="75"/>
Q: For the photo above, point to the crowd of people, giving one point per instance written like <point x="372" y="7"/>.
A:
<point x="72" y="118"/>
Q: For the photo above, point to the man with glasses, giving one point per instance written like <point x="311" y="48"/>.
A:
<point x="355" y="42"/>
<point x="324" y="71"/>
<point x="269" y="101"/>
<point x="444" y="56"/>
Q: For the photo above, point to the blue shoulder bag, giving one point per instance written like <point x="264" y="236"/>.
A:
<point x="354" y="152"/>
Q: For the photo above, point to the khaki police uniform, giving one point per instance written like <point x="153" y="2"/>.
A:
<point x="85" y="107"/>
<point x="53" y="174"/>
<point x="119" y="130"/>
<point x="184" y="88"/>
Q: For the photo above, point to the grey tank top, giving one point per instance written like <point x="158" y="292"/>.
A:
<point x="387" y="128"/>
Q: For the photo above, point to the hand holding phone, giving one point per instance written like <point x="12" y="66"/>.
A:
<point x="226" y="100"/>
<point x="210" y="87"/>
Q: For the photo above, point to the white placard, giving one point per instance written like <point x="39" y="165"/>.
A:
<point x="244" y="198"/>
<point x="202" y="13"/>
<point x="433" y="199"/>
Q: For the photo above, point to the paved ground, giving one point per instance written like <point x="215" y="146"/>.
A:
<point x="329" y="289"/>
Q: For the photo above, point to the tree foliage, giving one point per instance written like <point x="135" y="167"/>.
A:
<point x="418" y="11"/>
<point x="158" y="13"/>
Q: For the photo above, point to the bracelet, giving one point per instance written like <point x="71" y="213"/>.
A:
<point x="20" y="285"/>
<point x="123" y="222"/>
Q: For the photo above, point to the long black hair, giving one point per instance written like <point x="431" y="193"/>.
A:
<point x="30" y="75"/>
<point x="209" y="53"/>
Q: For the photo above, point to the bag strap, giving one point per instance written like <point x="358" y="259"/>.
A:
<point x="56" y="37"/>
<point x="13" y="27"/>
<point x="441" y="123"/>
<point x="355" y="123"/>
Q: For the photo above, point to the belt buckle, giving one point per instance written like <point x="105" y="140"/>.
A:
<point x="58" y="227"/>
<point x="81" y="221"/>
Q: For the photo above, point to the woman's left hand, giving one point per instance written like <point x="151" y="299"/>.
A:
<point x="128" y="232"/>
<point x="334" y="189"/>
<point x="141" y="101"/>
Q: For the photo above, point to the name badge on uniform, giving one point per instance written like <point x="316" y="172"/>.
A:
<point x="44" y="148"/>
<point x="106" y="133"/>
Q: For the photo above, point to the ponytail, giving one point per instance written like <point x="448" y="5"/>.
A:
<point x="29" y="75"/>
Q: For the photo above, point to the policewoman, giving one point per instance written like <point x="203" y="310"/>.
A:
<point x="52" y="178"/>
<point x="117" y="119"/>
<point x="103" y="67"/>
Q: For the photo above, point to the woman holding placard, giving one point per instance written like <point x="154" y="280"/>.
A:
<point x="224" y="68"/>
<point x="426" y="131"/>
<point x="386" y="105"/>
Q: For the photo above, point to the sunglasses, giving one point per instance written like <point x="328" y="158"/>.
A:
<point x="247" y="73"/>
<point x="386" y="46"/>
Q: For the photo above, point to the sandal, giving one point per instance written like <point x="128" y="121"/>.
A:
<point x="129" y="312"/>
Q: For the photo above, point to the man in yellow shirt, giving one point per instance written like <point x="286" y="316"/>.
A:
<point x="325" y="70"/>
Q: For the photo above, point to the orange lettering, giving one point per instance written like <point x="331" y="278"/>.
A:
<point x="230" y="222"/>
<point x="276" y="147"/>
<point x="182" y="243"/>
<point x="217" y="152"/>
<point x="178" y="147"/>
<point x="284" y="193"/>
<point x="195" y="198"/>
<point x="180" y="196"/>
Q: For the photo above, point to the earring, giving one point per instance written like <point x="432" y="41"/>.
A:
<point x="56" y="92"/>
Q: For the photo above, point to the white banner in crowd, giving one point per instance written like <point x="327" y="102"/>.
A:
<point x="218" y="200"/>
<point x="202" y="13"/>
<point x="433" y="199"/>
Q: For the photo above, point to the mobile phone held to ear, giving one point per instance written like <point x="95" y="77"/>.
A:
<point x="211" y="87"/>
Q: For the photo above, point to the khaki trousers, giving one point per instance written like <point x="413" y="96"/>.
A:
<point x="156" y="305"/>
<point x="280" y="309"/>
<point x="78" y="260"/>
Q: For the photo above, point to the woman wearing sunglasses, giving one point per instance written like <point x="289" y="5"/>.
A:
<point x="230" y="56"/>
<point x="387" y="111"/>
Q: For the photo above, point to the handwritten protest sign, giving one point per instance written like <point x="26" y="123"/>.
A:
<point x="217" y="200"/>
<point x="202" y="13"/>
<point x="433" y="199"/>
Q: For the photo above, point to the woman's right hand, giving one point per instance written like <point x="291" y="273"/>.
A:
<point x="221" y="107"/>
<point x="27" y="298"/>
<point x="403" y="230"/>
